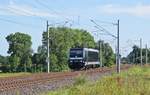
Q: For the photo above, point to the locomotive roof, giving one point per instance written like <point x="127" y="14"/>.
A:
<point x="89" y="49"/>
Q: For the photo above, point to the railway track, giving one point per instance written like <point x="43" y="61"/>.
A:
<point x="20" y="83"/>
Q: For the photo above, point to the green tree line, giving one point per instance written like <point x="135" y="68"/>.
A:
<point x="134" y="56"/>
<point x="22" y="59"/>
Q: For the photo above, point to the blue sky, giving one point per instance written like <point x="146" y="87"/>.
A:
<point x="29" y="16"/>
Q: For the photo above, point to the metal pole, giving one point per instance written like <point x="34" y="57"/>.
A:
<point x="141" y="50"/>
<point x="118" y="52"/>
<point x="48" y="61"/>
<point x="137" y="57"/>
<point x="100" y="49"/>
<point x="133" y="58"/>
<point x="146" y="55"/>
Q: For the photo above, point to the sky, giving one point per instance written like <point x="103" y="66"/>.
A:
<point x="30" y="16"/>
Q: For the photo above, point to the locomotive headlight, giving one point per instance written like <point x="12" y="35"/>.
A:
<point x="71" y="61"/>
<point x="80" y="60"/>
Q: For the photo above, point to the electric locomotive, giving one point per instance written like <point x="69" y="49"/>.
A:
<point x="83" y="57"/>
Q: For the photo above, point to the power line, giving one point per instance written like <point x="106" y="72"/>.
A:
<point x="117" y="37"/>
<point x="55" y="12"/>
<point x="23" y="24"/>
<point x="47" y="7"/>
<point x="105" y="22"/>
<point x="25" y="13"/>
<point x="102" y="29"/>
<point x="99" y="33"/>
<point x="6" y="20"/>
<point x="35" y="7"/>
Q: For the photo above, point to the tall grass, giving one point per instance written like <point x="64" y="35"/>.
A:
<point x="136" y="81"/>
<point x="80" y="80"/>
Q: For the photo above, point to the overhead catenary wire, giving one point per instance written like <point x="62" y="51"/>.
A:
<point x="102" y="29"/>
<point x="99" y="33"/>
<point x="26" y="13"/>
<point x="117" y="37"/>
<point x="35" y="7"/>
<point x="9" y="9"/>
<point x="52" y="10"/>
<point x="105" y="22"/>
<point x="19" y="23"/>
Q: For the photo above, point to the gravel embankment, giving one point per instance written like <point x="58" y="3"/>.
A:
<point x="42" y="86"/>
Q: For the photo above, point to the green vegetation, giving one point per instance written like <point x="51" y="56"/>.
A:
<point x="61" y="40"/>
<point x="22" y="59"/>
<point x="80" y="80"/>
<point x="20" y="52"/>
<point x="136" y="81"/>
<point x="134" y="56"/>
<point x="13" y="74"/>
<point x="108" y="56"/>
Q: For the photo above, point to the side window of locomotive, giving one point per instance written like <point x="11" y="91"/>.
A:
<point x="86" y="55"/>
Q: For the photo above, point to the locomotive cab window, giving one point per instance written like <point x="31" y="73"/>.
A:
<point x="76" y="53"/>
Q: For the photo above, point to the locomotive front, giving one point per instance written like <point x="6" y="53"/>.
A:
<point x="76" y="58"/>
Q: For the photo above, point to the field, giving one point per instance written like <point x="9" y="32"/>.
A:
<point x="135" y="81"/>
<point x="12" y="74"/>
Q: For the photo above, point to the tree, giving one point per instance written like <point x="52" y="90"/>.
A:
<point x="108" y="56"/>
<point x="2" y="59"/>
<point x="14" y="63"/>
<point x="20" y="51"/>
<point x="61" y="40"/>
<point x="39" y="60"/>
<point x="87" y="39"/>
<point x="4" y="66"/>
<point x="135" y="57"/>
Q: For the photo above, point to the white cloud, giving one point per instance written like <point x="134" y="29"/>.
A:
<point x="136" y="10"/>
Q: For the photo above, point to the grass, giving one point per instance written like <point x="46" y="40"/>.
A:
<point x="135" y="81"/>
<point x="80" y="80"/>
<point x="13" y="74"/>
